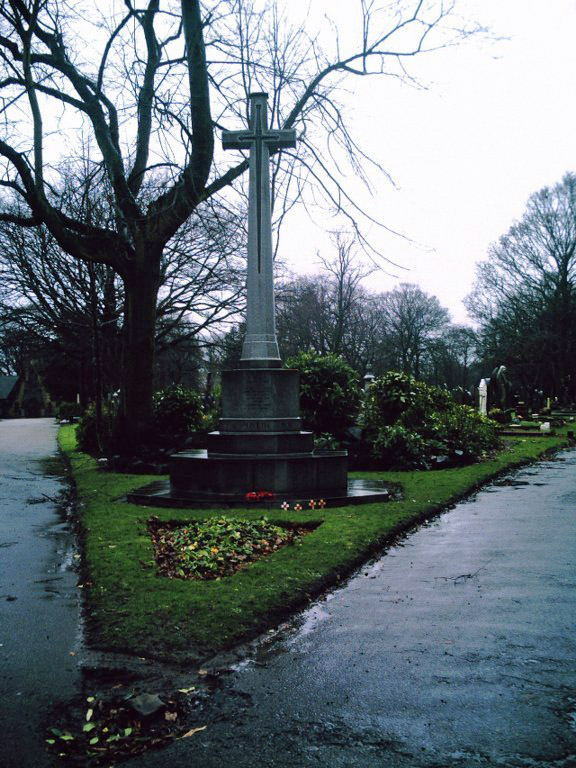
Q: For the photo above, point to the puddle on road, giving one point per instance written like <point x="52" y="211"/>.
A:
<point x="307" y="622"/>
<point x="510" y="482"/>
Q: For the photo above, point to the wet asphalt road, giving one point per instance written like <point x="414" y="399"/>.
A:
<point x="456" y="649"/>
<point x="39" y="609"/>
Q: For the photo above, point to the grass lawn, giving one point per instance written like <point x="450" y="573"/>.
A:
<point x="131" y="608"/>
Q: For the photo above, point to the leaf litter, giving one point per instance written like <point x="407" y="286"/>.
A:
<point x="103" y="732"/>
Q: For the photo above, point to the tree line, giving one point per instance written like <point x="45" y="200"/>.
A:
<point x="404" y="329"/>
<point x="524" y="298"/>
<point x="138" y="220"/>
<point x="70" y="315"/>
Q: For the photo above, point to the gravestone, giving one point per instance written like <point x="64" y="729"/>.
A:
<point x="483" y="397"/>
<point x="499" y="388"/>
<point x="260" y="445"/>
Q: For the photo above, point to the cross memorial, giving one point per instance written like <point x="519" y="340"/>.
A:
<point x="260" y="444"/>
<point x="260" y="347"/>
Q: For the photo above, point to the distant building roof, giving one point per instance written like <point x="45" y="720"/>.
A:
<point x="7" y="384"/>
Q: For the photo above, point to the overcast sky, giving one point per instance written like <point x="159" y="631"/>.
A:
<point x="496" y="123"/>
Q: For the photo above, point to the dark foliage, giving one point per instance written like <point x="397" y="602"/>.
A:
<point x="93" y="437"/>
<point x="410" y="424"/>
<point x="212" y="548"/>
<point x="178" y="411"/>
<point x="330" y="394"/>
<point x="524" y="298"/>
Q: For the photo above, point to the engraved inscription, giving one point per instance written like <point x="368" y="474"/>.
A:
<point x="260" y="425"/>
<point x="259" y="397"/>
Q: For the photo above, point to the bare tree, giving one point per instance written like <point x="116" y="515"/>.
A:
<point x="345" y="273"/>
<point x="143" y="81"/>
<point x="77" y="307"/>
<point x="525" y="294"/>
<point x="412" y="319"/>
<point x="329" y="313"/>
<point x="452" y="360"/>
<point x="13" y="343"/>
<point x="62" y="307"/>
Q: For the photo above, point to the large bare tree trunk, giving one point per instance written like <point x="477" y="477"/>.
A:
<point x="141" y="292"/>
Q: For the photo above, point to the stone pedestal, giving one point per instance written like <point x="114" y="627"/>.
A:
<point x="260" y="445"/>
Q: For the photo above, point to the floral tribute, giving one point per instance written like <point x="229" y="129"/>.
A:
<point x="260" y="496"/>
<point x="256" y="496"/>
<point x="312" y="504"/>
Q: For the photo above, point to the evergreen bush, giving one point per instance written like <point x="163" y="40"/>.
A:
<point x="387" y="398"/>
<point x="462" y="433"/>
<point x="87" y="435"/>
<point x="68" y="411"/>
<point x="177" y="412"/>
<point x="396" y="447"/>
<point x="330" y="392"/>
<point x="411" y="424"/>
<point x="500" y="416"/>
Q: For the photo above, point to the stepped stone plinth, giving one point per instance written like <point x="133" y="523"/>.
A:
<point x="260" y="445"/>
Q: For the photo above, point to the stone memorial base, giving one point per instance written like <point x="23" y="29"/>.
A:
<point x="359" y="491"/>
<point x="202" y="474"/>
<point x="260" y="449"/>
<point x="260" y="445"/>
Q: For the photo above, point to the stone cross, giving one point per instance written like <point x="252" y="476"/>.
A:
<point x="260" y="347"/>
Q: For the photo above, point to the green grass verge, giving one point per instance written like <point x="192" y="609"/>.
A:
<point x="131" y="608"/>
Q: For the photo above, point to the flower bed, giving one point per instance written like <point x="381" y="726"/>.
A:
<point x="209" y="549"/>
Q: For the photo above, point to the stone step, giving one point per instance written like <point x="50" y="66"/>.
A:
<point x="359" y="491"/>
<point x="309" y="474"/>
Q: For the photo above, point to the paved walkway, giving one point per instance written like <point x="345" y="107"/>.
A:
<point x="38" y="595"/>
<point x="456" y="649"/>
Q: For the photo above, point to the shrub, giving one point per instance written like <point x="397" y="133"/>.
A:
<point x="68" y="411"/>
<point x="212" y="407"/>
<point x="500" y="416"/>
<point x="463" y="432"/>
<point x="396" y="447"/>
<point x="177" y="411"/>
<point x="425" y="399"/>
<point x="396" y="396"/>
<point x="408" y="423"/>
<point x="326" y="442"/>
<point x="329" y="392"/>
<point x="87" y="434"/>
<point x="387" y="398"/>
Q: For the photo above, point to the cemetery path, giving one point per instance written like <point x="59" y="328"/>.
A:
<point x="39" y="606"/>
<point x="455" y="649"/>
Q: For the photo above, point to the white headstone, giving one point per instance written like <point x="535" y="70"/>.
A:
<point x="483" y="397"/>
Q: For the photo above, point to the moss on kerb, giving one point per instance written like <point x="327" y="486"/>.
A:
<point x="130" y="608"/>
